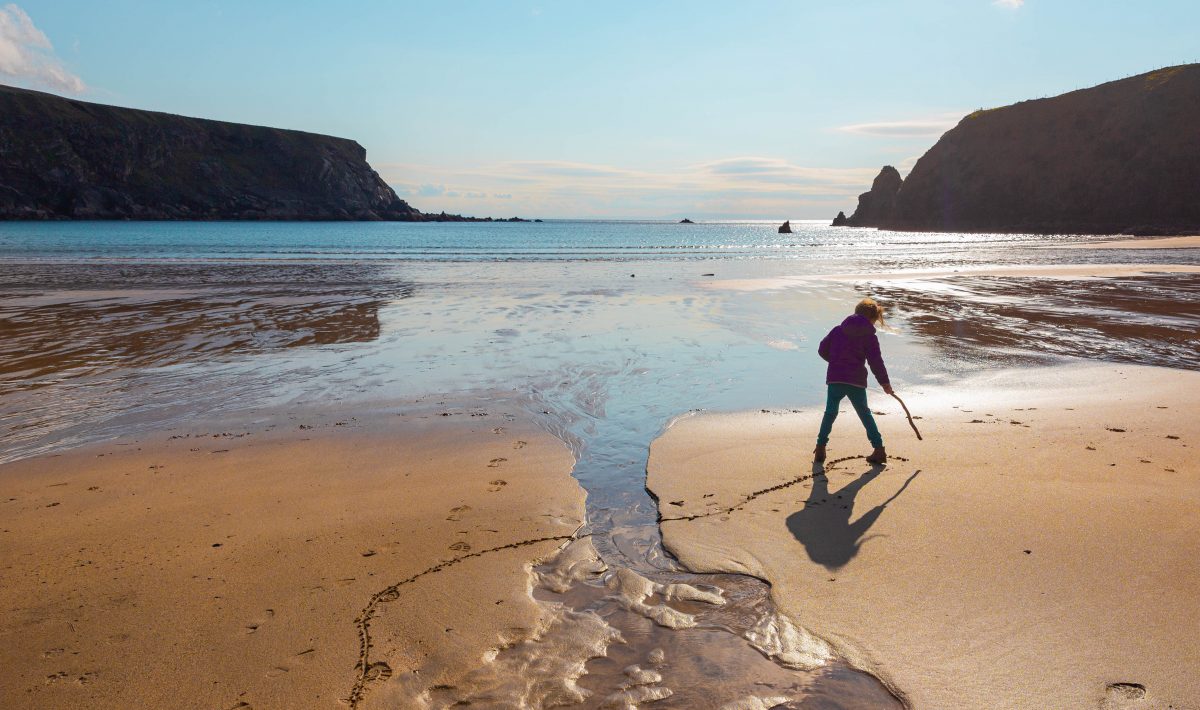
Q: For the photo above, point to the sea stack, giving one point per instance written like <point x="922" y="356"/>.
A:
<point x="786" y="227"/>
<point x="840" y="220"/>
<point x="685" y="220"/>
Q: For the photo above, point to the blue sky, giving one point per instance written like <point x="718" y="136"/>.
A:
<point x="586" y="109"/>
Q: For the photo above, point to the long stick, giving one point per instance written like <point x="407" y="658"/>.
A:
<point x="910" y="421"/>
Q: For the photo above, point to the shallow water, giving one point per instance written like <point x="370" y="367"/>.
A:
<point x="602" y="331"/>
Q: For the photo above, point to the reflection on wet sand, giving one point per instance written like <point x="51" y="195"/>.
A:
<point x="1149" y="320"/>
<point x="75" y="320"/>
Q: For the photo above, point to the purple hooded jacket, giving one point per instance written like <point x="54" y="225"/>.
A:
<point x="846" y="349"/>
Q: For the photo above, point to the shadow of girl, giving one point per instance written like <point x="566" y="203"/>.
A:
<point x="823" y="525"/>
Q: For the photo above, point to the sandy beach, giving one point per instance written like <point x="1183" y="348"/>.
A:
<point x="1190" y="242"/>
<point x="275" y="566"/>
<point x="1037" y="549"/>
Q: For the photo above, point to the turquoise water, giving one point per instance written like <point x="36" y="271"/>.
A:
<point x="560" y="240"/>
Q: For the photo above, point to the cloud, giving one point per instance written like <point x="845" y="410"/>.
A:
<point x="1013" y="4"/>
<point x="27" y="56"/>
<point x="927" y="127"/>
<point x="735" y="186"/>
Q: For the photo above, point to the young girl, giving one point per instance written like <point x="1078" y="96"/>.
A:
<point x="846" y="348"/>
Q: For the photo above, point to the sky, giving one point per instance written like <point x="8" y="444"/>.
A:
<point x="642" y="110"/>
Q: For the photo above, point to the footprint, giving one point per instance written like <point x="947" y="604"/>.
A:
<point x="256" y="623"/>
<point x="495" y="463"/>
<point x="520" y="444"/>
<point x="498" y="430"/>
<point x="1118" y="694"/>
<point x="377" y="671"/>
<point x="496" y="485"/>
<point x="461" y="547"/>
<point x="457" y="511"/>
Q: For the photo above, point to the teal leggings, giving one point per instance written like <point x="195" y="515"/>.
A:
<point x="858" y="397"/>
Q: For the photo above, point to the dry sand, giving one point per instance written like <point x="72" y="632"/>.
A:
<point x="227" y="569"/>
<point x="1190" y="242"/>
<point x="1038" y="549"/>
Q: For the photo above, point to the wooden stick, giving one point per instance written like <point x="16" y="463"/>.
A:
<point x="910" y="419"/>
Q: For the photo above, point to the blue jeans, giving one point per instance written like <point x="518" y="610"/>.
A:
<point x="858" y="398"/>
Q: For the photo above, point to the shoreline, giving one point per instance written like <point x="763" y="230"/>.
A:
<point x="975" y="573"/>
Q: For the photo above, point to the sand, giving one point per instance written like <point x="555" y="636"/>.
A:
<point x="287" y="567"/>
<point x="1190" y="242"/>
<point x="1037" y="549"/>
<point x="1063" y="271"/>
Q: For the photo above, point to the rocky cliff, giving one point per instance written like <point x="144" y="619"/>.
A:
<point x="1122" y="157"/>
<point x="67" y="159"/>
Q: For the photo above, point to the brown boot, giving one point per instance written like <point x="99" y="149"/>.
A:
<point x="819" y="454"/>
<point x="878" y="456"/>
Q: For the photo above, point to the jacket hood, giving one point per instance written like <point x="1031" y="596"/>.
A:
<point x="857" y="326"/>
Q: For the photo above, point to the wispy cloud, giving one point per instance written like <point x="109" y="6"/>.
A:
<point x="1014" y="4"/>
<point x="739" y="186"/>
<point x="27" y="56"/>
<point x="924" y="127"/>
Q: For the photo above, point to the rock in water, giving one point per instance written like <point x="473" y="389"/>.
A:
<point x="876" y="205"/>
<point x="786" y="227"/>
<point x="1121" y="157"/>
<point x="840" y="220"/>
<point x="685" y="220"/>
<point x="67" y="159"/>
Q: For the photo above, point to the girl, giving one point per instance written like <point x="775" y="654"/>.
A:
<point x="846" y="348"/>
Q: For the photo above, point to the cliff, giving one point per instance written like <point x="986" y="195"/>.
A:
<point x="1122" y="157"/>
<point x="67" y="159"/>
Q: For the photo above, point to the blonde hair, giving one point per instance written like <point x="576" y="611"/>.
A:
<point x="872" y="310"/>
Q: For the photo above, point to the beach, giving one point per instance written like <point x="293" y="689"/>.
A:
<point x="435" y="466"/>
<point x="256" y="567"/>
<point x="1034" y="550"/>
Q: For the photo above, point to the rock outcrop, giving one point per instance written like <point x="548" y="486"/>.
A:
<point x="67" y="159"/>
<point x="1122" y="157"/>
<point x="786" y="227"/>
<point x="840" y="220"/>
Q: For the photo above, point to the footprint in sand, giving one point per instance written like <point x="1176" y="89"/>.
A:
<point x="495" y="463"/>
<point x="520" y="444"/>
<point x="457" y="511"/>
<point x="1120" y="695"/>
<point x="461" y="547"/>
<point x="255" y="624"/>
<point x="496" y="485"/>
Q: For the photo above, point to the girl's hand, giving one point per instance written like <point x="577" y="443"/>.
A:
<point x="888" y="389"/>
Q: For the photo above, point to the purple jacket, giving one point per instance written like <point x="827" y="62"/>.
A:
<point x="847" y="347"/>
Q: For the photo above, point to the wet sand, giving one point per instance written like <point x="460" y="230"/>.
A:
<point x="264" y="566"/>
<point x="1064" y="271"/>
<point x="1037" y="549"/>
<point x="1190" y="242"/>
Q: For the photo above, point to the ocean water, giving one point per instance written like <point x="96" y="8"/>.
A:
<point x="603" y="332"/>
<point x="556" y="240"/>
